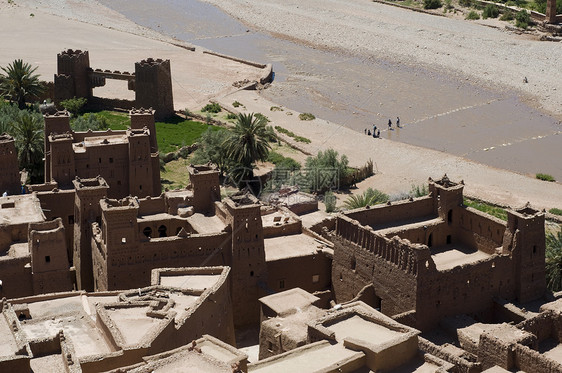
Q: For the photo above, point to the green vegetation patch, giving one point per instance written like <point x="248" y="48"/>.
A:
<point x="212" y="107"/>
<point x="472" y="16"/>
<point x="432" y="4"/>
<point x="496" y="211"/>
<point x="236" y="104"/>
<point x="555" y="211"/>
<point x="292" y="134"/>
<point x="114" y="119"/>
<point x="177" y="132"/>
<point x="175" y="175"/>
<point x="280" y="161"/>
<point x="306" y="116"/>
<point x="545" y="177"/>
<point x="522" y="19"/>
<point x="490" y="11"/>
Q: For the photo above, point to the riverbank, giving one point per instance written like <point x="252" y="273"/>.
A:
<point x="399" y="165"/>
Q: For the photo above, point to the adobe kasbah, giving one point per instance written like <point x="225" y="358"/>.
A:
<point x="194" y="215"/>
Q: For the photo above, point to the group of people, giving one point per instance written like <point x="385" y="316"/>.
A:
<point x="377" y="132"/>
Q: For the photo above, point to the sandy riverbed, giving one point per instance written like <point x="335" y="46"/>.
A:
<point x="399" y="164"/>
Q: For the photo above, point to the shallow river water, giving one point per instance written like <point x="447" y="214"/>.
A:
<point x="436" y="110"/>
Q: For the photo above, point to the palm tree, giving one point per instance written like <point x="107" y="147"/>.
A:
<point x="553" y="258"/>
<point x="28" y="133"/>
<point x="248" y="142"/>
<point x="20" y="83"/>
<point x="369" y="198"/>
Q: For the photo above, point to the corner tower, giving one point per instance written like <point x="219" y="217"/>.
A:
<point x="10" y="180"/>
<point x="89" y="192"/>
<point x="153" y="86"/>
<point x="249" y="270"/>
<point x="524" y="239"/>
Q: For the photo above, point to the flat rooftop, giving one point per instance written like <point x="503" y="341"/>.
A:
<point x="304" y="360"/>
<point x="296" y="298"/>
<point x="358" y="328"/>
<point x="206" y="224"/>
<point x="296" y="245"/>
<point x="276" y="219"/>
<point x="188" y="281"/>
<point x="16" y="250"/>
<point x="133" y="322"/>
<point x="20" y="209"/>
<point x="99" y="141"/>
<point x="79" y="328"/>
<point x="450" y="256"/>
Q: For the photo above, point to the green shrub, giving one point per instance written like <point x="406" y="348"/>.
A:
<point x="472" y="15"/>
<point x="74" y="105"/>
<point x="418" y="191"/>
<point x="89" y="121"/>
<point x="545" y="177"/>
<point x="465" y="3"/>
<point x="496" y="211"/>
<point x="187" y="113"/>
<point x="301" y="139"/>
<point x="507" y="16"/>
<point x="368" y="198"/>
<point x="213" y="107"/>
<point x="291" y="134"/>
<point x="261" y="116"/>
<point x="330" y="201"/>
<point x="490" y="11"/>
<point x="230" y="116"/>
<point x="275" y="108"/>
<point x="325" y="171"/>
<point x="555" y="211"/>
<point x="522" y="19"/>
<point x="448" y="4"/>
<point x="306" y="116"/>
<point x="282" y="162"/>
<point x="432" y="4"/>
<point x="236" y="104"/>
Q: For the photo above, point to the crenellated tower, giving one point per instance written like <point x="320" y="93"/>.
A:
<point x="153" y="86"/>
<point x="54" y="124"/>
<point x="205" y="184"/>
<point x="119" y="243"/>
<point x="141" y="173"/>
<point x="72" y="77"/>
<point x="524" y="239"/>
<point x="89" y="192"/>
<point x="249" y="270"/>
<point x="49" y="258"/>
<point x="10" y="180"/>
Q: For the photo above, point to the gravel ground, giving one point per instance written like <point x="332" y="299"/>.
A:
<point x="492" y="56"/>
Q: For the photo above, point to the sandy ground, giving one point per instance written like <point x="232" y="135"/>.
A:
<point x="491" y="56"/>
<point x="37" y="39"/>
<point x="398" y="166"/>
<point x="196" y="77"/>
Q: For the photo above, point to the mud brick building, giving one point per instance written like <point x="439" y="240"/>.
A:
<point x="433" y="257"/>
<point x="33" y="253"/>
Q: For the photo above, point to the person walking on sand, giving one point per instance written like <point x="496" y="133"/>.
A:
<point x="398" y="122"/>
<point x="389" y="124"/>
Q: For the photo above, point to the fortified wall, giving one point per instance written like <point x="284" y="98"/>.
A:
<point x="151" y="81"/>
<point x="433" y="257"/>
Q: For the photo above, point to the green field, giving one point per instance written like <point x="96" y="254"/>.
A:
<point x="171" y="135"/>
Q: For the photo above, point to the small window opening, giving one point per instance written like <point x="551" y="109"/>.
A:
<point x="48" y="259"/>
<point x="449" y="240"/>
<point x="281" y="284"/>
<point x="162" y="231"/>
<point x="147" y="231"/>
<point x="251" y="273"/>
